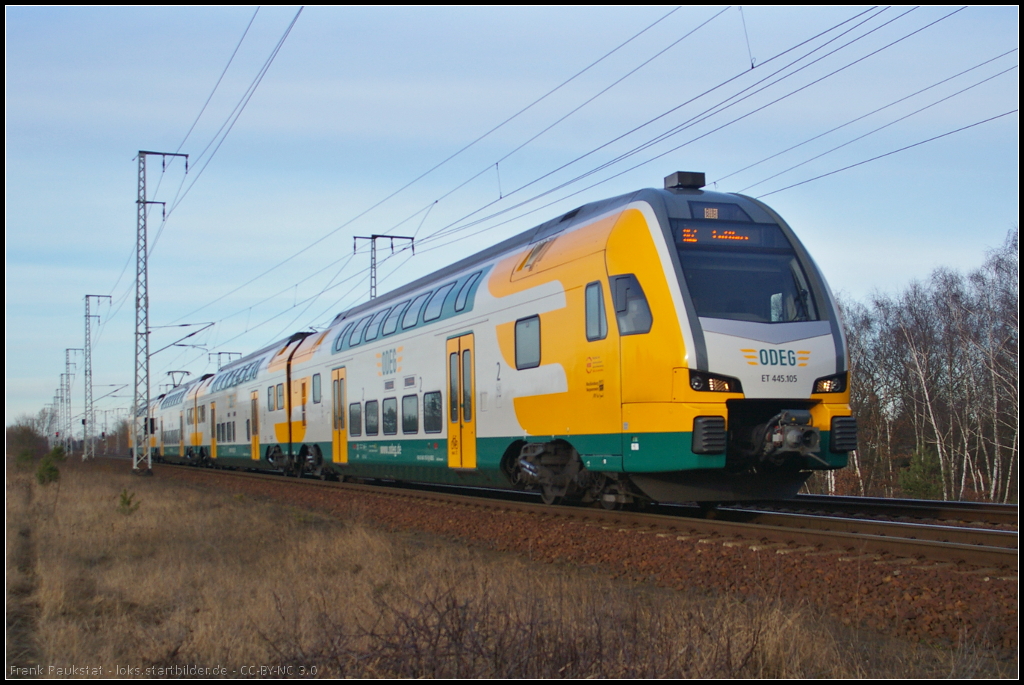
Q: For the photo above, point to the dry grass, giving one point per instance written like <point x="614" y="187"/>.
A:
<point x="196" y="577"/>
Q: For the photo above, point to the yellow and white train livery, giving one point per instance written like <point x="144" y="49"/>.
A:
<point x="667" y="345"/>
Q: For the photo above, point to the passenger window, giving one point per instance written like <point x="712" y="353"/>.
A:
<point x="339" y="343"/>
<point x="453" y="387"/>
<point x="528" y="343"/>
<point x="631" y="309"/>
<point x="280" y="396"/>
<point x="597" y="323"/>
<point x="357" y="332"/>
<point x="433" y="310"/>
<point x="371" y="417"/>
<point x="391" y="323"/>
<point x="410" y="414"/>
<point x="412" y="314"/>
<point x="355" y="419"/>
<point x="374" y="327"/>
<point x="270" y="400"/>
<point x="467" y="385"/>
<point x="460" y="301"/>
<point x="316" y="388"/>
<point x="390" y="416"/>
<point x="433" y="412"/>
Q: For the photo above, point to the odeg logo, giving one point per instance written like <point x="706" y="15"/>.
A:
<point x="777" y="357"/>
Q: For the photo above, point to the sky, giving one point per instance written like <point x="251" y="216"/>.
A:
<point x="461" y="127"/>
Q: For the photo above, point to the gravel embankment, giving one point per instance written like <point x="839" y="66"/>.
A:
<point x="928" y="601"/>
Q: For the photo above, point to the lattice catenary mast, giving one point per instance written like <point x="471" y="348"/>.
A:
<point x="88" y="451"/>
<point x="140" y="404"/>
<point x="373" y="253"/>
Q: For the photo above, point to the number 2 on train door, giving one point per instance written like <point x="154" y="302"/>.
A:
<point x="461" y="412"/>
<point x="339" y="440"/>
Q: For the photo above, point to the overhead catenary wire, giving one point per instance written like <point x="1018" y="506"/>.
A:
<point x="863" y="116"/>
<point x="219" y="79"/>
<point x="835" y="171"/>
<point x="303" y="301"/>
<point x="444" y="244"/>
<point x="454" y="226"/>
<point x="233" y="117"/>
<point x="892" y="152"/>
<point x="452" y="229"/>
<point x="191" y="128"/>
<point x="229" y="122"/>
<point x="218" y="139"/>
<point x="430" y="206"/>
<point x="307" y="301"/>
<point x="876" y="130"/>
<point x="433" y="236"/>
<point x="574" y="110"/>
<point x="438" y="165"/>
<point x="448" y="228"/>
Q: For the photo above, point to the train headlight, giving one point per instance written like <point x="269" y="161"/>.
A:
<point x="836" y="383"/>
<point x="709" y="382"/>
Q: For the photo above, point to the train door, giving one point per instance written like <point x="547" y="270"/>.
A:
<point x="461" y="412"/>
<point x="181" y="433"/>
<point x="213" y="430"/>
<point x="254" y="425"/>
<point x="302" y="398"/>
<point x="339" y="434"/>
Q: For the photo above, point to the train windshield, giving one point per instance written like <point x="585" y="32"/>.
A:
<point x="743" y="271"/>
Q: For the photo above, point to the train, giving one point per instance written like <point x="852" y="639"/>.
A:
<point x="666" y="345"/>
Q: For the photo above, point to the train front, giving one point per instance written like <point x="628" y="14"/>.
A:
<point x="767" y="382"/>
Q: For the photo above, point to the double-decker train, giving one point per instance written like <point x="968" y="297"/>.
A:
<point x="666" y="345"/>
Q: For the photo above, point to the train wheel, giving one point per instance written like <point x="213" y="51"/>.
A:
<point x="708" y="510"/>
<point x="616" y="495"/>
<point x="547" y="496"/>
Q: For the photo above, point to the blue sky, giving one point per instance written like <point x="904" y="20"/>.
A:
<point x="361" y="101"/>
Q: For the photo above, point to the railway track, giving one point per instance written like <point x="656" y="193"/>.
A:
<point x="786" y="533"/>
<point x="976" y="512"/>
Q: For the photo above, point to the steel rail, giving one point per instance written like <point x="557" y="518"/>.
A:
<point x="933" y="509"/>
<point x="896" y="529"/>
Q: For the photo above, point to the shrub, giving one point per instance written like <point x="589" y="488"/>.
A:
<point x="127" y="505"/>
<point x="47" y="471"/>
<point x="923" y="478"/>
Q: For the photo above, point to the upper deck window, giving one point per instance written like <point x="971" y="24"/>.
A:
<point x="460" y="301"/>
<point x="357" y="332"/>
<point x="433" y="310"/>
<point x="412" y="314"/>
<point x="374" y="326"/>
<point x="391" y="323"/>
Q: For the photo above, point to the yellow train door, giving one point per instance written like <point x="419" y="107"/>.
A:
<point x="461" y="412"/>
<point x="254" y="425"/>
<point x="213" y="430"/>
<point x="339" y="433"/>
